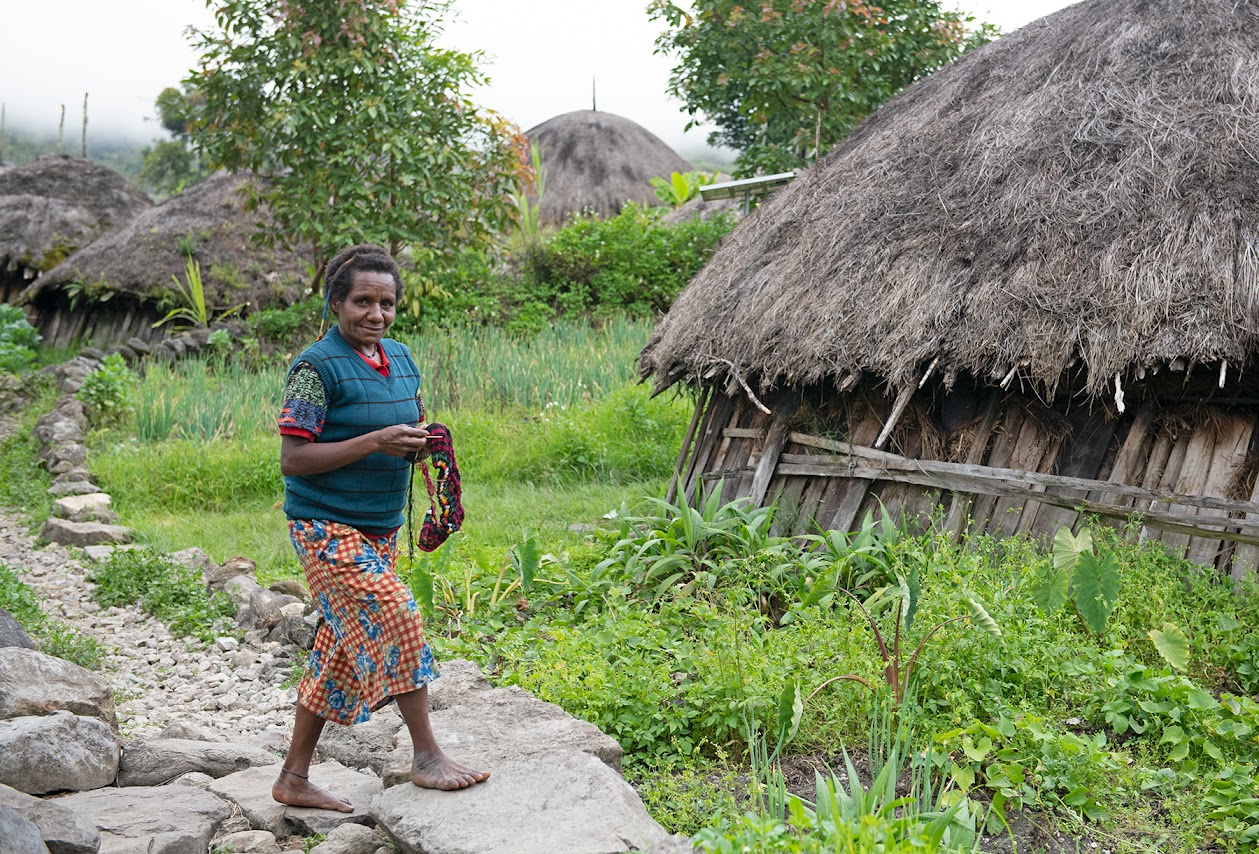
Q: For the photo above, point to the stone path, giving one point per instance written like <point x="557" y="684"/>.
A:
<point x="227" y="690"/>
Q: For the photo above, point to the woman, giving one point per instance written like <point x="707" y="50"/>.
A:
<point x="348" y="428"/>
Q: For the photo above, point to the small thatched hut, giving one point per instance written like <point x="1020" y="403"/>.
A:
<point x="118" y="285"/>
<point x="595" y="162"/>
<point x="52" y="206"/>
<point x="1028" y="284"/>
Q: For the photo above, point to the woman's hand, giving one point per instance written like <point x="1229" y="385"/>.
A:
<point x="402" y="440"/>
<point x="299" y="456"/>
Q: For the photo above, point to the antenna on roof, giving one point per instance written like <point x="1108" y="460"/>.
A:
<point x="594" y="104"/>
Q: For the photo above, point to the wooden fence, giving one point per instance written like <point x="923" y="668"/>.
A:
<point x="1011" y="472"/>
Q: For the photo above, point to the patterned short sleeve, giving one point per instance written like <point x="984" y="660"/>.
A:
<point x="305" y="402"/>
<point x="419" y="402"/>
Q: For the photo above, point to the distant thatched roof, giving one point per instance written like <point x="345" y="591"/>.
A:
<point x="57" y="204"/>
<point x="597" y="161"/>
<point x="207" y="220"/>
<point x="1087" y="187"/>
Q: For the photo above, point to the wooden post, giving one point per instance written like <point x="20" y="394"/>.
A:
<point x="84" y="147"/>
<point x="61" y="131"/>
<point x="705" y="394"/>
<point x="961" y="501"/>
<point x="774" y="441"/>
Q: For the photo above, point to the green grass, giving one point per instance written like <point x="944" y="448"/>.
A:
<point x="24" y="480"/>
<point x="50" y="636"/>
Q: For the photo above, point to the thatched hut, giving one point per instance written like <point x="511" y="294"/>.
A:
<point x="52" y="206"/>
<point x="118" y="285"/>
<point x="595" y="162"/>
<point x="1028" y="284"/>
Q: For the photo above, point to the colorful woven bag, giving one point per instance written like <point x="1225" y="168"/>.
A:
<point x="445" y="495"/>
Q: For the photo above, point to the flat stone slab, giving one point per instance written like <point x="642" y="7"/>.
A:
<point x="89" y="507"/>
<point x="567" y="801"/>
<point x="63" y="830"/>
<point x="83" y="533"/>
<point x="251" y="791"/>
<point x="151" y="820"/>
<point x="20" y="833"/>
<point x="154" y="762"/>
<point x="502" y="724"/>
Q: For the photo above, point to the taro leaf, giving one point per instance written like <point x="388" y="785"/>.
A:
<point x="790" y="711"/>
<point x="1172" y="644"/>
<point x="1095" y="586"/>
<point x="1049" y="588"/>
<point x="1069" y="547"/>
<point x="980" y="616"/>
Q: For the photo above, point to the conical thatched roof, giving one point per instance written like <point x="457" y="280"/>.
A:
<point x="595" y="162"/>
<point x="1087" y="187"/>
<point x="57" y="204"/>
<point x="207" y="220"/>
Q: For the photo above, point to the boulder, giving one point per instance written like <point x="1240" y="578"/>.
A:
<point x="247" y="842"/>
<point x="505" y="724"/>
<point x="160" y="820"/>
<point x="160" y="760"/>
<point x="291" y="587"/>
<point x="565" y="801"/>
<point x="83" y="533"/>
<point x="294" y="627"/>
<point x="193" y="558"/>
<point x="461" y="681"/>
<point x="57" y="752"/>
<point x="63" y="830"/>
<point x="19" y="833"/>
<point x="216" y="576"/>
<point x="101" y="554"/>
<point x="91" y="507"/>
<point x="71" y="453"/>
<point x="350" y="839"/>
<point x="256" y="608"/>
<point x="12" y="635"/>
<point x="250" y="790"/>
<point x="32" y="683"/>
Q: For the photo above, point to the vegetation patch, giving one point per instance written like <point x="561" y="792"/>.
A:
<point x="51" y="636"/>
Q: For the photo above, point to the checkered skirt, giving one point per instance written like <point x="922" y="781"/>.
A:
<point x="371" y="643"/>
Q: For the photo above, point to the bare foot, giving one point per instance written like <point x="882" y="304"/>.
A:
<point x="439" y="771"/>
<point x="298" y="791"/>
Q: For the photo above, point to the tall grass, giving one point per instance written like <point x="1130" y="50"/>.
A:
<point x="206" y="400"/>
<point x="565" y="364"/>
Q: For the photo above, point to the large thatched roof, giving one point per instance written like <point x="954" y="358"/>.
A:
<point x="207" y="220"/>
<point x="595" y="162"/>
<point x="1087" y="187"/>
<point x="57" y="204"/>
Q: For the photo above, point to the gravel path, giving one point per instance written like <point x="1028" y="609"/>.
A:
<point x="229" y="689"/>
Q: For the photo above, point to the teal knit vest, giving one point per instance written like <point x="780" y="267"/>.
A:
<point x="369" y="494"/>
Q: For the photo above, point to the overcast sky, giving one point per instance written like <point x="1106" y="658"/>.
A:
<point x="542" y="56"/>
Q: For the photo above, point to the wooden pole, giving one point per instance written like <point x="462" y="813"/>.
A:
<point x="83" y="150"/>
<point x="61" y="131"/>
<point x="705" y="395"/>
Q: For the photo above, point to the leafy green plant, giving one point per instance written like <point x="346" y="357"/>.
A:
<point x="18" y="340"/>
<point x="903" y="596"/>
<point x="51" y="636"/>
<point x="192" y="296"/>
<point x="680" y="187"/>
<point x="527" y="201"/>
<point x="108" y="391"/>
<point x="169" y="591"/>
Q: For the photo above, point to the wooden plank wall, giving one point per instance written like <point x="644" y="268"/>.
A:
<point x="1094" y="443"/>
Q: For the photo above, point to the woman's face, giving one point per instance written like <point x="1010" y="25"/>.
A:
<point x="368" y="310"/>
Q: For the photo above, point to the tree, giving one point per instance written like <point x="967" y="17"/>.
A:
<point x="360" y="125"/>
<point x="170" y="165"/>
<point x="786" y="80"/>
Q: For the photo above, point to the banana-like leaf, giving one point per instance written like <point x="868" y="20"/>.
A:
<point x="1173" y="644"/>
<point x="1049" y="588"/>
<point x="1095" y="587"/>
<point x="1069" y="547"/>
<point x="980" y="616"/>
<point x="790" y="711"/>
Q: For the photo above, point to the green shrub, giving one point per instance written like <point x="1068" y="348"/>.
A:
<point x="18" y="340"/>
<point x="291" y="327"/>
<point x="107" y="391"/>
<point x="173" y="593"/>
<point x="630" y="262"/>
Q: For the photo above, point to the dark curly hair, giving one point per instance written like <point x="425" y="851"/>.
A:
<point x="364" y="258"/>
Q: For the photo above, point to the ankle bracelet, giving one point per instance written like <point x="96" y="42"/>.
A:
<point x="294" y="773"/>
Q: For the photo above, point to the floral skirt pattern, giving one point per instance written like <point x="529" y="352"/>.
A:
<point x="370" y="644"/>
